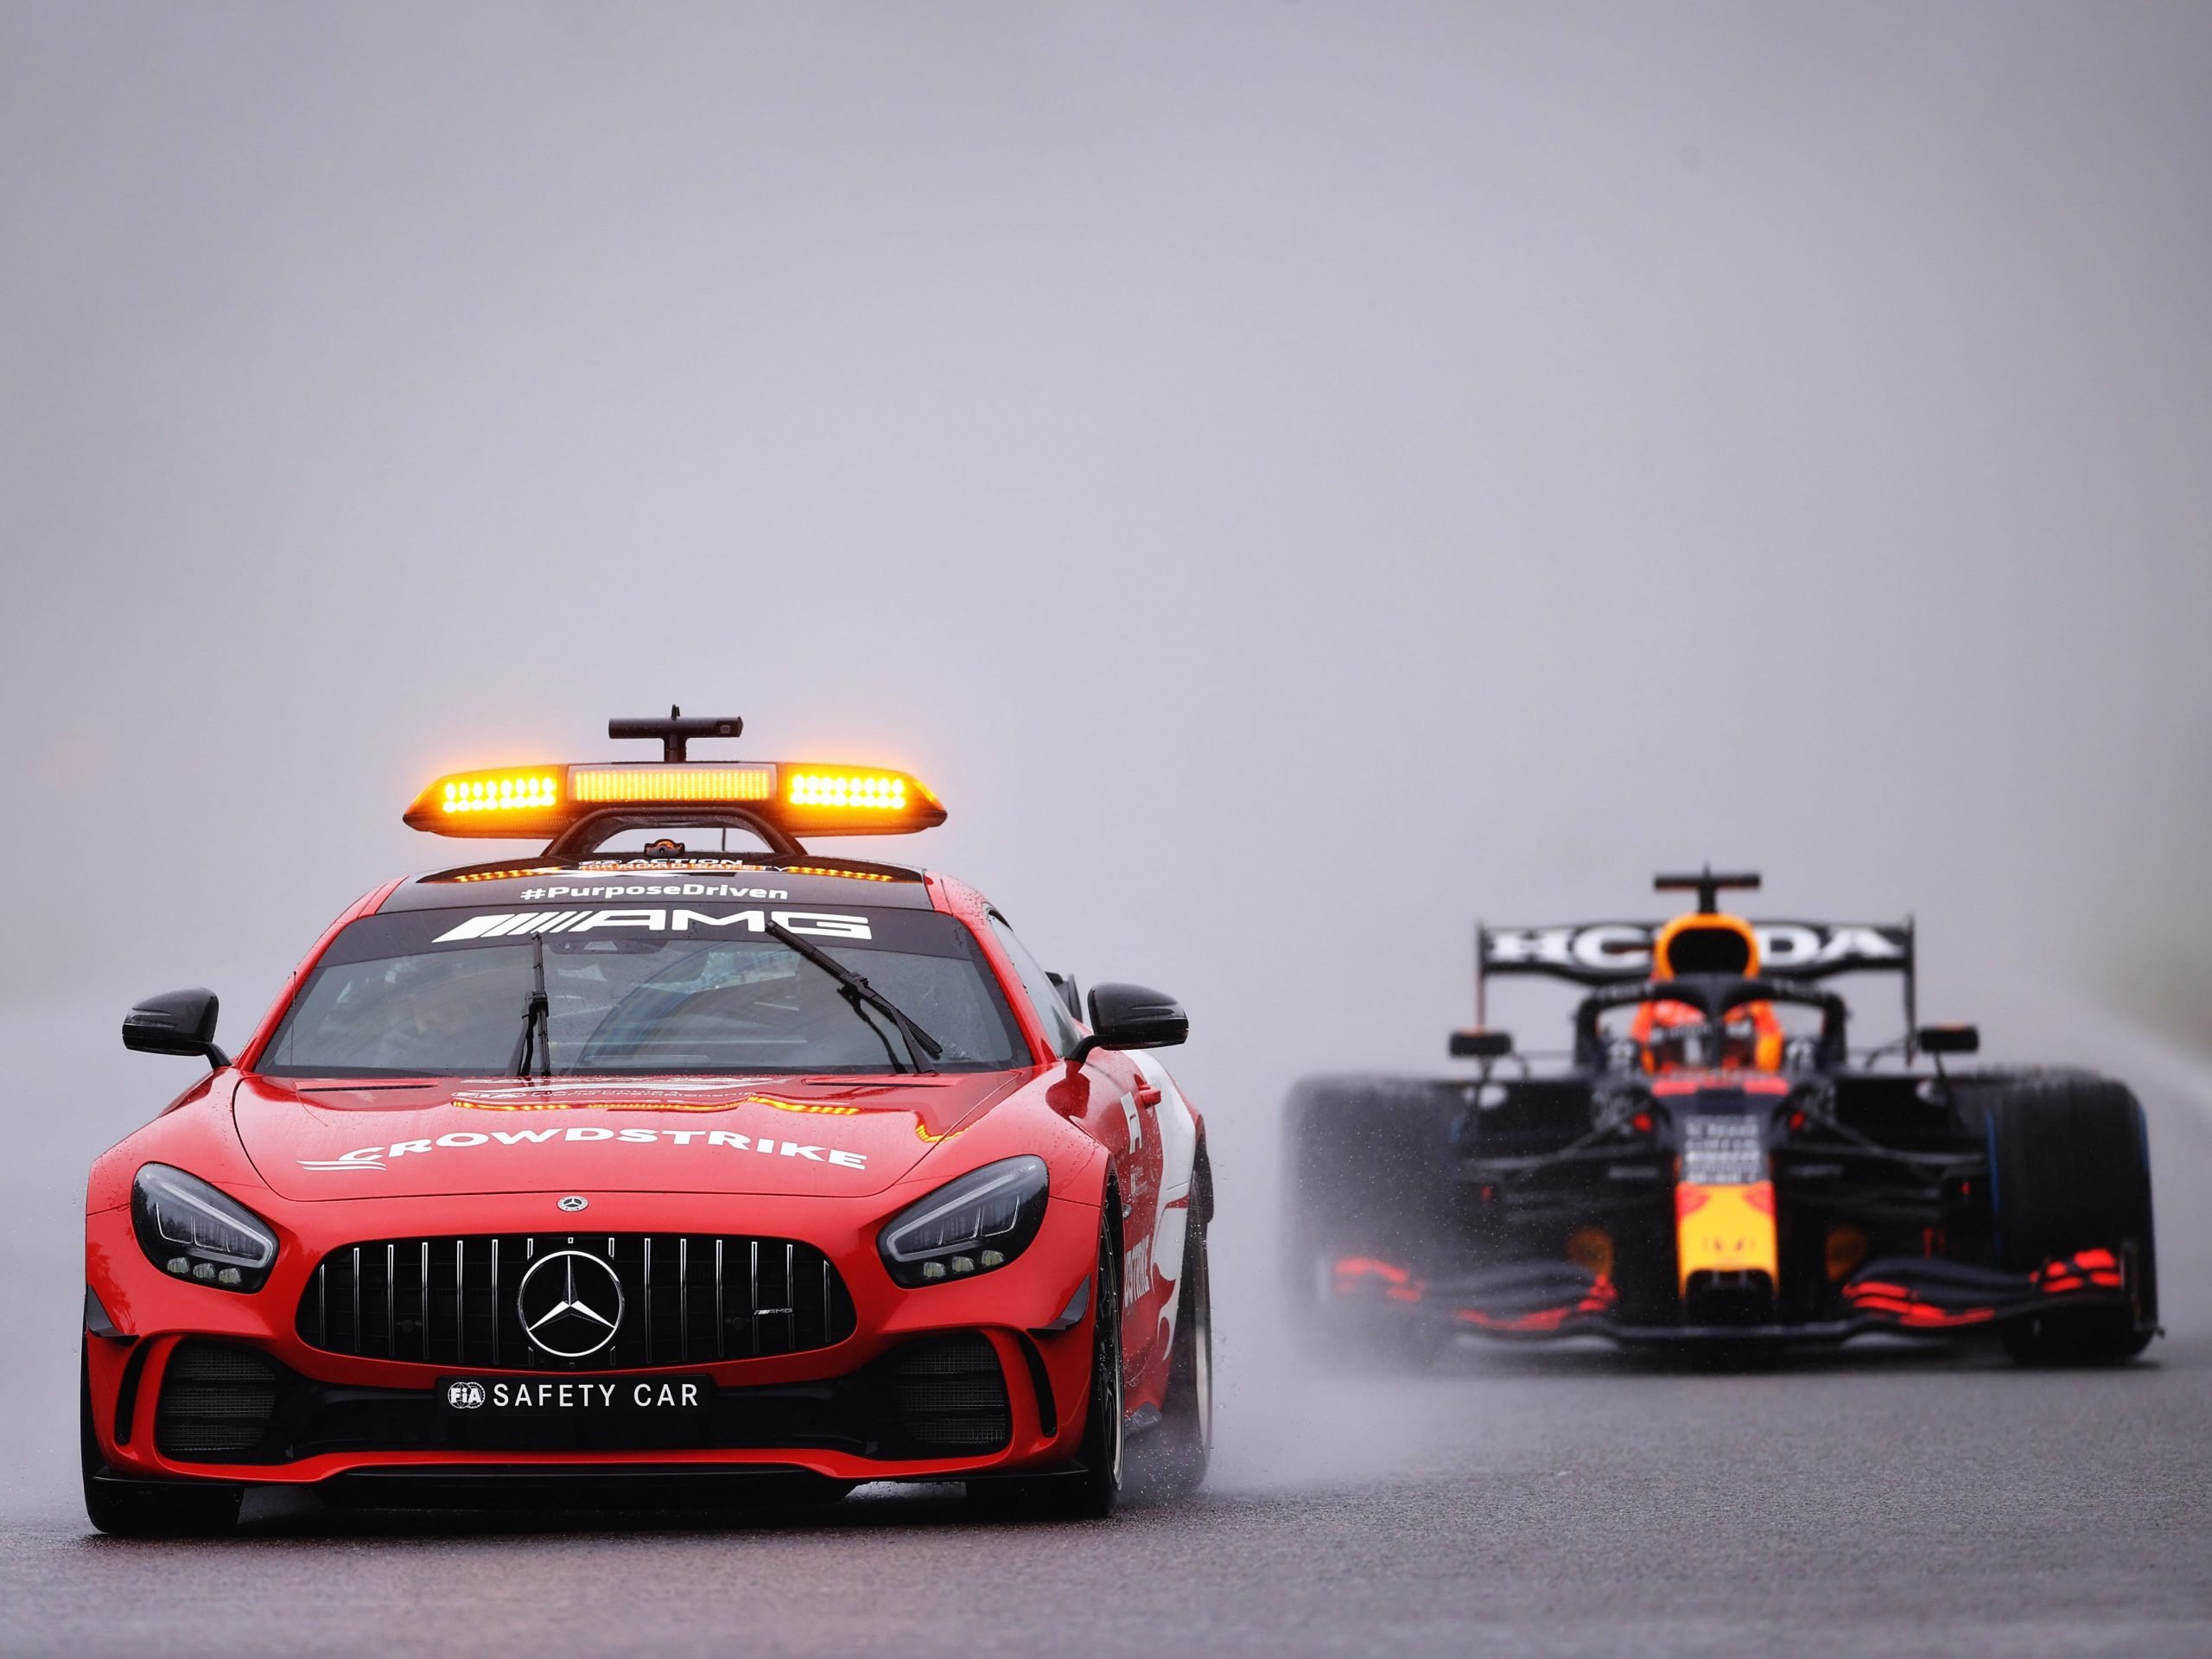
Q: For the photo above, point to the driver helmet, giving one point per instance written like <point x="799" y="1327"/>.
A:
<point x="1674" y="1034"/>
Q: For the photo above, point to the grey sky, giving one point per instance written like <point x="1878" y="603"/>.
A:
<point x="1292" y="476"/>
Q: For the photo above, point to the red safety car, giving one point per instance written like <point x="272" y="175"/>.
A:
<point x="642" y="1174"/>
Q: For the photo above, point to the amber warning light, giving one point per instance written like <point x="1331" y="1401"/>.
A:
<point x="797" y="797"/>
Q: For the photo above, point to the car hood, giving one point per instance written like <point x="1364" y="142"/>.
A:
<point x="841" y="1137"/>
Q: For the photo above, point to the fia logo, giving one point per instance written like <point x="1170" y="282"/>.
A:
<point x="464" y="1396"/>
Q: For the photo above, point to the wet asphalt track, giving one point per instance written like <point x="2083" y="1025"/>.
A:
<point x="1536" y="1501"/>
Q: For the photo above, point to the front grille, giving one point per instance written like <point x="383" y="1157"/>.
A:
<point x="686" y="1299"/>
<point x="215" y="1401"/>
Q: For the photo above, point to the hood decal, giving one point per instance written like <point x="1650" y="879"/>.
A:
<point x="655" y="1097"/>
<point x="463" y="1140"/>
<point x="797" y="1136"/>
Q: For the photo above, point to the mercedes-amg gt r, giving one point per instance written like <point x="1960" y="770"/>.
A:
<point x="655" y="1176"/>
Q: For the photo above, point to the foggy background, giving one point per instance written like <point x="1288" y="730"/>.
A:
<point x="1291" y="477"/>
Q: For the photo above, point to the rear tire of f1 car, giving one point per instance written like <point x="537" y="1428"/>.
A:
<point x="2070" y="1171"/>
<point x="1370" y="1175"/>
<point x="1091" y="1491"/>
<point x="1168" y="1463"/>
<point x="124" y="1508"/>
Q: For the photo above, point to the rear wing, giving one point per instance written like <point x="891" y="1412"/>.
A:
<point x="1613" y="953"/>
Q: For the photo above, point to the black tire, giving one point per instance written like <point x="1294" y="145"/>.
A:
<point x="145" y="1508"/>
<point x="2070" y="1170"/>
<point x="1168" y="1463"/>
<point x="1371" y="1174"/>
<point x="1093" y="1489"/>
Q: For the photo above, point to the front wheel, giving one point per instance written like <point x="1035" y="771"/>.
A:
<point x="2071" y="1172"/>
<point x="1092" y="1490"/>
<point x="1370" y="1178"/>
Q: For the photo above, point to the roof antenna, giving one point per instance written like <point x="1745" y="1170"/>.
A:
<point x="676" y="732"/>
<point x="1706" y="885"/>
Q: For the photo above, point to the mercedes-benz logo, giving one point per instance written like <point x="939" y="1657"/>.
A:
<point x="570" y="1303"/>
<point x="572" y="1204"/>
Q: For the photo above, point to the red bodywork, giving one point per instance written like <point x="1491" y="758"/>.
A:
<point x="753" y="1158"/>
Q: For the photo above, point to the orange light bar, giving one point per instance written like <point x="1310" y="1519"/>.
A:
<point x="523" y="803"/>
<point x="604" y="786"/>
<point x="513" y="801"/>
<point x="854" y="801"/>
<point x="502" y="792"/>
<point x="869" y="792"/>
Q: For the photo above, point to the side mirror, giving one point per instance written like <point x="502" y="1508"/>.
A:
<point x="1129" y="1016"/>
<point x="182" y="1022"/>
<point x="1949" y="1040"/>
<point x="1481" y="1043"/>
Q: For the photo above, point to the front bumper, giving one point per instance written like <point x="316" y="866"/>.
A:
<point x="948" y="1381"/>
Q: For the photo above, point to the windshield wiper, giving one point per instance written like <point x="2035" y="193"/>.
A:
<point x="857" y="990"/>
<point x="536" y="1040"/>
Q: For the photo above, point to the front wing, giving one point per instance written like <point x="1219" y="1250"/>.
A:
<point x="1908" y="1296"/>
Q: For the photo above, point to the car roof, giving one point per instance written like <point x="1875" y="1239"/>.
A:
<point x="706" y="879"/>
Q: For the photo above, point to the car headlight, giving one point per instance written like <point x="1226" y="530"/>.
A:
<point x="980" y="1222"/>
<point x="189" y="1229"/>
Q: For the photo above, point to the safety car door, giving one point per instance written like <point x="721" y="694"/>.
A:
<point x="1118" y="1108"/>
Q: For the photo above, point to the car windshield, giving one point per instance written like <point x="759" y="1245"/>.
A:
<point x="640" y="992"/>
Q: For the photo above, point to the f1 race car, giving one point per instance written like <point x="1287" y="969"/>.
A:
<point x="1714" y="1164"/>
<point x="654" y="1177"/>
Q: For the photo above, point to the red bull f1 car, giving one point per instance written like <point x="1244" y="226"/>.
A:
<point x="652" y="1175"/>
<point x="1713" y="1163"/>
